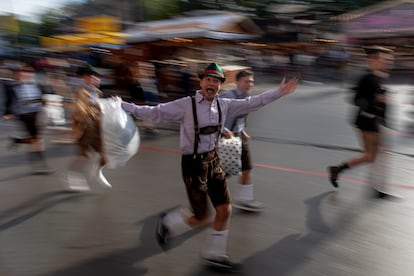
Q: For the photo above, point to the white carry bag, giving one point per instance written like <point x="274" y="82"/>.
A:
<point x="54" y="110"/>
<point x="229" y="152"/>
<point x="120" y="134"/>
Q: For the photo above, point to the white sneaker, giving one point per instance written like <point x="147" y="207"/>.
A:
<point x="222" y="263"/>
<point x="249" y="205"/>
<point x="77" y="182"/>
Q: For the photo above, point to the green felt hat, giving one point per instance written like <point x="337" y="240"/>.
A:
<point x="376" y="49"/>
<point x="213" y="70"/>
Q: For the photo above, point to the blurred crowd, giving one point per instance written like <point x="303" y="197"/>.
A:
<point x="59" y="77"/>
<point x="171" y="77"/>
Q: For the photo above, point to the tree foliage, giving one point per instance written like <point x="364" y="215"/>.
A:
<point x="49" y="23"/>
<point x="147" y="10"/>
<point x="160" y="9"/>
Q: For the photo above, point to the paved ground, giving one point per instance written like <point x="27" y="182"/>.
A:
<point x="307" y="228"/>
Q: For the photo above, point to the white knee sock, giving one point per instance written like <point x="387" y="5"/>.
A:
<point x="245" y="192"/>
<point x="216" y="244"/>
<point x="176" y="222"/>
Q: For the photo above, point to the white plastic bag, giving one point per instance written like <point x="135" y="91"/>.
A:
<point x="55" y="113"/>
<point x="120" y="134"/>
<point x="229" y="152"/>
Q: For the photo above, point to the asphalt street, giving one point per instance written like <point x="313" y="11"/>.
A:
<point x="307" y="228"/>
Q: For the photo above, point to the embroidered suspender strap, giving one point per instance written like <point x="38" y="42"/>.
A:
<point x="196" y="128"/>
<point x="219" y="111"/>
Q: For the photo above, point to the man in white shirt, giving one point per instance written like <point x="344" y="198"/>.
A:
<point x="201" y="121"/>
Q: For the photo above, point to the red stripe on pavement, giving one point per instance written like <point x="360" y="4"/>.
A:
<point x="351" y="179"/>
<point x="289" y="170"/>
<point x="292" y="170"/>
<point x="160" y="150"/>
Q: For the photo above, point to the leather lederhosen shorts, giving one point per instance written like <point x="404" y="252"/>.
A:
<point x="203" y="178"/>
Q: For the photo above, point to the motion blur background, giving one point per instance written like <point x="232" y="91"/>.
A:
<point x="320" y="40"/>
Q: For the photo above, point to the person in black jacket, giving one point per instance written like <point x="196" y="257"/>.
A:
<point x="370" y="98"/>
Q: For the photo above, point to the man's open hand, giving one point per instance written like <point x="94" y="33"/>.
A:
<point x="287" y="87"/>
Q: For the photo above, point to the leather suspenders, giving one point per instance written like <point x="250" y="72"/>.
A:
<point x="203" y="130"/>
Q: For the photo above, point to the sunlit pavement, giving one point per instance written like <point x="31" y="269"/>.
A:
<point x="307" y="228"/>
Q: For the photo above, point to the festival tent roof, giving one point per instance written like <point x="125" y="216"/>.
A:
<point x="217" y="25"/>
<point x="386" y="19"/>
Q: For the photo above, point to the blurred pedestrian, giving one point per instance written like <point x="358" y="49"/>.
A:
<point x="236" y="126"/>
<point x="371" y="101"/>
<point x="25" y="101"/>
<point x="148" y="82"/>
<point x="86" y="126"/>
<point x="189" y="79"/>
<point x="202" y="120"/>
<point x="128" y="81"/>
<point x="6" y="76"/>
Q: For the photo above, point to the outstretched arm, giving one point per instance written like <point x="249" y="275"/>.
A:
<point x="161" y="113"/>
<point x="238" y="107"/>
<point x="287" y="87"/>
